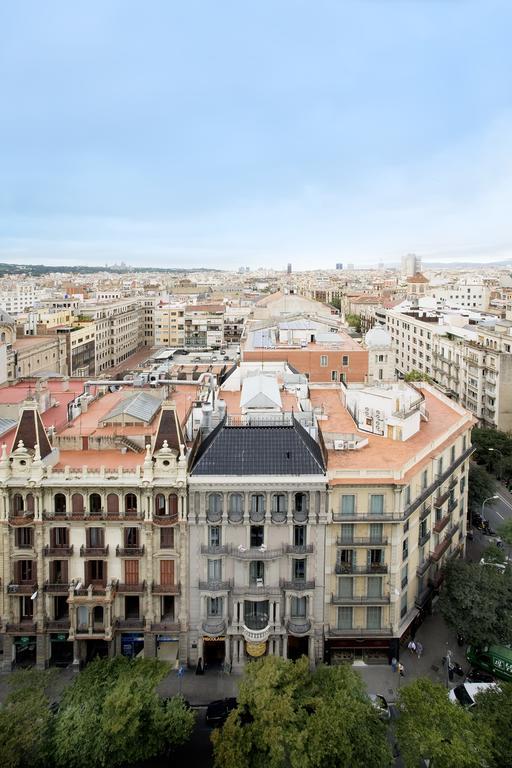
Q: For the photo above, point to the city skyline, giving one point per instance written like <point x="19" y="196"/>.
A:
<point x="193" y="137"/>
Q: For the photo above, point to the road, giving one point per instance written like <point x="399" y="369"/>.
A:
<point x="496" y="512"/>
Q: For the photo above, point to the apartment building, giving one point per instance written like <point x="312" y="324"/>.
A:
<point x="93" y="535"/>
<point x="80" y="348"/>
<point x="467" y="356"/>
<point x="19" y="297"/>
<point x="469" y="293"/>
<point x="397" y="462"/>
<point x="169" y="324"/>
<point x="119" y="330"/>
<point x="204" y="326"/>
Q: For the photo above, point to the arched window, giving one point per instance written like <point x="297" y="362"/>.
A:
<point x="214" y="512"/>
<point x="159" y="504"/>
<point x="112" y="504"/>
<point x="257" y="507"/>
<point x="236" y="507"/>
<point x="279" y="507"/>
<point x="30" y="502"/>
<point x="130" y="503"/>
<point x="77" y="504"/>
<point x="173" y="506"/>
<point x="2" y="336"/>
<point x="17" y="503"/>
<point x="94" y="503"/>
<point x="59" y="504"/>
<point x="301" y="507"/>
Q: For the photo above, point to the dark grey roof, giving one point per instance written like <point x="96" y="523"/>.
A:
<point x="251" y="450"/>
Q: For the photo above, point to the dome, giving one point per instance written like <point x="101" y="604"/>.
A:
<point x="377" y="337"/>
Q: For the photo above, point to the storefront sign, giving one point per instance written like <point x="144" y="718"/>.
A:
<point x="208" y="639"/>
<point x="167" y="639"/>
<point x="255" y="649"/>
<point x="58" y="638"/>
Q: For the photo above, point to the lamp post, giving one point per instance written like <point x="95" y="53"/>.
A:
<point x="484" y="502"/>
<point x="497" y="450"/>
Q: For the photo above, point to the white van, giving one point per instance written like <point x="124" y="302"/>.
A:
<point x="464" y="694"/>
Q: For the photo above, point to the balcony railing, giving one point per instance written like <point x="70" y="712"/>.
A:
<point x="442" y="523"/>
<point x="93" y="551"/>
<point x="57" y="625"/>
<point x="424" y="566"/>
<point x="214" y="549"/>
<point x="215" y="585"/>
<point x="255" y="590"/>
<point x="343" y="569"/>
<point x="298" y="549"/>
<point x="452" y="531"/>
<point x="425" y="512"/>
<point x="298" y="626"/>
<point x="22" y="628"/>
<point x="298" y="585"/>
<point x="136" y="623"/>
<point x="440" y="500"/>
<point x="131" y="588"/>
<point x="165" y="626"/>
<point x="129" y="551"/>
<point x="423" y="538"/>
<point x="214" y="627"/>
<point x="57" y="587"/>
<point x="357" y="517"/>
<point x="360" y="631"/>
<point x="255" y="553"/>
<point x="360" y="600"/>
<point x="452" y="504"/>
<point x="361" y="542"/>
<point x="440" y="549"/>
<point x="166" y="589"/>
<point x="423" y="596"/>
<point x="63" y="551"/>
<point x="23" y="588"/>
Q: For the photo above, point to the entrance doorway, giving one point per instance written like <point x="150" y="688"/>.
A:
<point x="96" y="648"/>
<point x="25" y="653"/>
<point x="61" y="651"/>
<point x="214" y="653"/>
<point x="297" y="647"/>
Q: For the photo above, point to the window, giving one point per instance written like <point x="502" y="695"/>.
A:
<point x="130" y="502"/>
<point x="376" y="504"/>
<point x="403" y="605"/>
<point x="323" y="361"/>
<point x="214" y="570"/>
<point x="406" y="526"/>
<point x="279" y="502"/>
<point x="424" y="479"/>
<point x="257" y="535"/>
<point x="214" y="536"/>
<point x="347" y="533"/>
<point x="344" y="618"/>
<point x="440" y="466"/>
<point x="214" y="506"/>
<point x="346" y="587"/>
<point x="373" y="617"/>
<point x="344" y="360"/>
<point x="166" y="538"/>
<point x="299" y="569"/>
<point x="299" y="535"/>
<point x="160" y="504"/>
<point x="334" y="375"/>
<point x="464" y="443"/>
<point x="257" y="505"/>
<point x="452" y="454"/>
<point x="407" y="495"/>
<point x="405" y="575"/>
<point x="374" y="586"/>
<point x="301" y="502"/>
<point x="348" y="505"/>
<point x="94" y="538"/>
<point x="24" y="538"/>
<point x="131" y="538"/>
<point x="214" y="606"/>
<point x="298" y="607"/>
<point x="376" y="533"/>
<point x="235" y="507"/>
<point x="405" y="549"/>
<point x="96" y="571"/>
<point x="257" y="573"/>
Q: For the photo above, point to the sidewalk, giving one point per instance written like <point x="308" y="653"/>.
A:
<point x="199" y="690"/>
<point x="436" y="639"/>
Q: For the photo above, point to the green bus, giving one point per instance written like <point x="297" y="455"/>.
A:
<point x="496" y="659"/>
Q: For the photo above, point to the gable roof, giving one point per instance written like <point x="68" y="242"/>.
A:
<point x="31" y="431"/>
<point x="269" y="450"/>
<point x="260" y="392"/>
<point x="169" y="429"/>
<point x="140" y="406"/>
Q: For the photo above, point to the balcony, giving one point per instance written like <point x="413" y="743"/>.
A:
<point x="452" y="531"/>
<point x="129" y="551"/>
<point x="359" y="517"/>
<point x="134" y="589"/>
<point x="163" y="519"/>
<point x="57" y="587"/>
<point x="165" y="626"/>
<point x="441" y="524"/>
<point x="57" y="625"/>
<point x="344" y="569"/>
<point x="361" y="542"/>
<point x="21" y="518"/>
<point x="255" y="553"/>
<point x="423" y="566"/>
<point x="126" y="624"/>
<point x="423" y="538"/>
<point x="298" y="626"/>
<point x="360" y="632"/>
<point x="256" y="590"/>
<point x="425" y="512"/>
<point x="93" y="551"/>
<point x="65" y="551"/>
<point x="214" y="627"/>
<point x="360" y="600"/>
<point x="25" y="588"/>
<point x="297" y="585"/>
<point x="452" y="504"/>
<point x="214" y="585"/>
<point x="214" y="549"/>
<point x="259" y="630"/>
<point x="440" y="549"/>
<point x="441" y="499"/>
<point x="166" y="589"/>
<point x="22" y="628"/>
<point x="298" y="549"/>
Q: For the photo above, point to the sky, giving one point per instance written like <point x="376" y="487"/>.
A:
<point x="255" y="132"/>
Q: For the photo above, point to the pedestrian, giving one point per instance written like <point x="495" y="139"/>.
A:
<point x="411" y="646"/>
<point x="401" y="669"/>
<point x="419" y="649"/>
<point x="394" y="662"/>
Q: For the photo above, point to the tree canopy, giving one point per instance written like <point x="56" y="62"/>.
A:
<point x="25" y="721"/>
<point x="493" y="449"/>
<point x="113" y="715"/>
<point x="431" y="727"/>
<point x="354" y="321"/>
<point x="290" y="717"/>
<point x="476" y="600"/>
<point x="481" y="485"/>
<point x="494" y="711"/>
<point x="416" y="375"/>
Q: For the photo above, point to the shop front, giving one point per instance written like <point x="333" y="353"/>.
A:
<point x="132" y="644"/>
<point x="61" y="650"/>
<point x="25" y="650"/>
<point x="167" y="647"/>
<point x="370" y="650"/>
<point x="214" y="651"/>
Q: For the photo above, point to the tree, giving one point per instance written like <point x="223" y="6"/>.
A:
<point x="505" y="531"/>
<point x="496" y="460"/>
<point x="354" y="321"/>
<point x="431" y="727"/>
<point x="476" y="600"/>
<point x="481" y="485"/>
<point x="415" y="375"/>
<point x="113" y="715"/>
<point x="290" y="717"/>
<point x="26" y="721"/>
<point x="494" y="711"/>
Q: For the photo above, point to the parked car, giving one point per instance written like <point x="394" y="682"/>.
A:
<point x="477" y="676"/>
<point x="380" y="704"/>
<point x="464" y="694"/>
<point x="217" y="711"/>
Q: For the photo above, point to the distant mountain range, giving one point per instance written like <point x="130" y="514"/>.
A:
<point x="467" y="264"/>
<point x="42" y="269"/>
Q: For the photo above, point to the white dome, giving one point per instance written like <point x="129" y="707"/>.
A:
<point x="377" y="337"/>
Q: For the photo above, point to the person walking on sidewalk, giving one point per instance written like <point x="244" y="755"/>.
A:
<point x="411" y="646"/>
<point x="419" y="649"/>
<point x="401" y="669"/>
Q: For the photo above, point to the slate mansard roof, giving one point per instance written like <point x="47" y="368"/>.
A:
<point x="259" y="450"/>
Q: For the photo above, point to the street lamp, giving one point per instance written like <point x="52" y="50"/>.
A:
<point x="484" y="502"/>
<point x="496" y="450"/>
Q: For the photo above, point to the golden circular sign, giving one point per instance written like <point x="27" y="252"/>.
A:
<point x="255" y="649"/>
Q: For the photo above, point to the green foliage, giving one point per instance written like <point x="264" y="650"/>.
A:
<point x="494" y="711"/>
<point x="113" y="715"/>
<point x="476" y="600"/>
<point x="431" y="726"/>
<point x="493" y="554"/>
<point x="415" y="375"/>
<point x="290" y="717"/>
<point x="354" y="321"/>
<point x="336" y="302"/>
<point x="26" y="721"/>
<point x="505" y="531"/>
<point x="499" y="459"/>
<point x="481" y="485"/>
